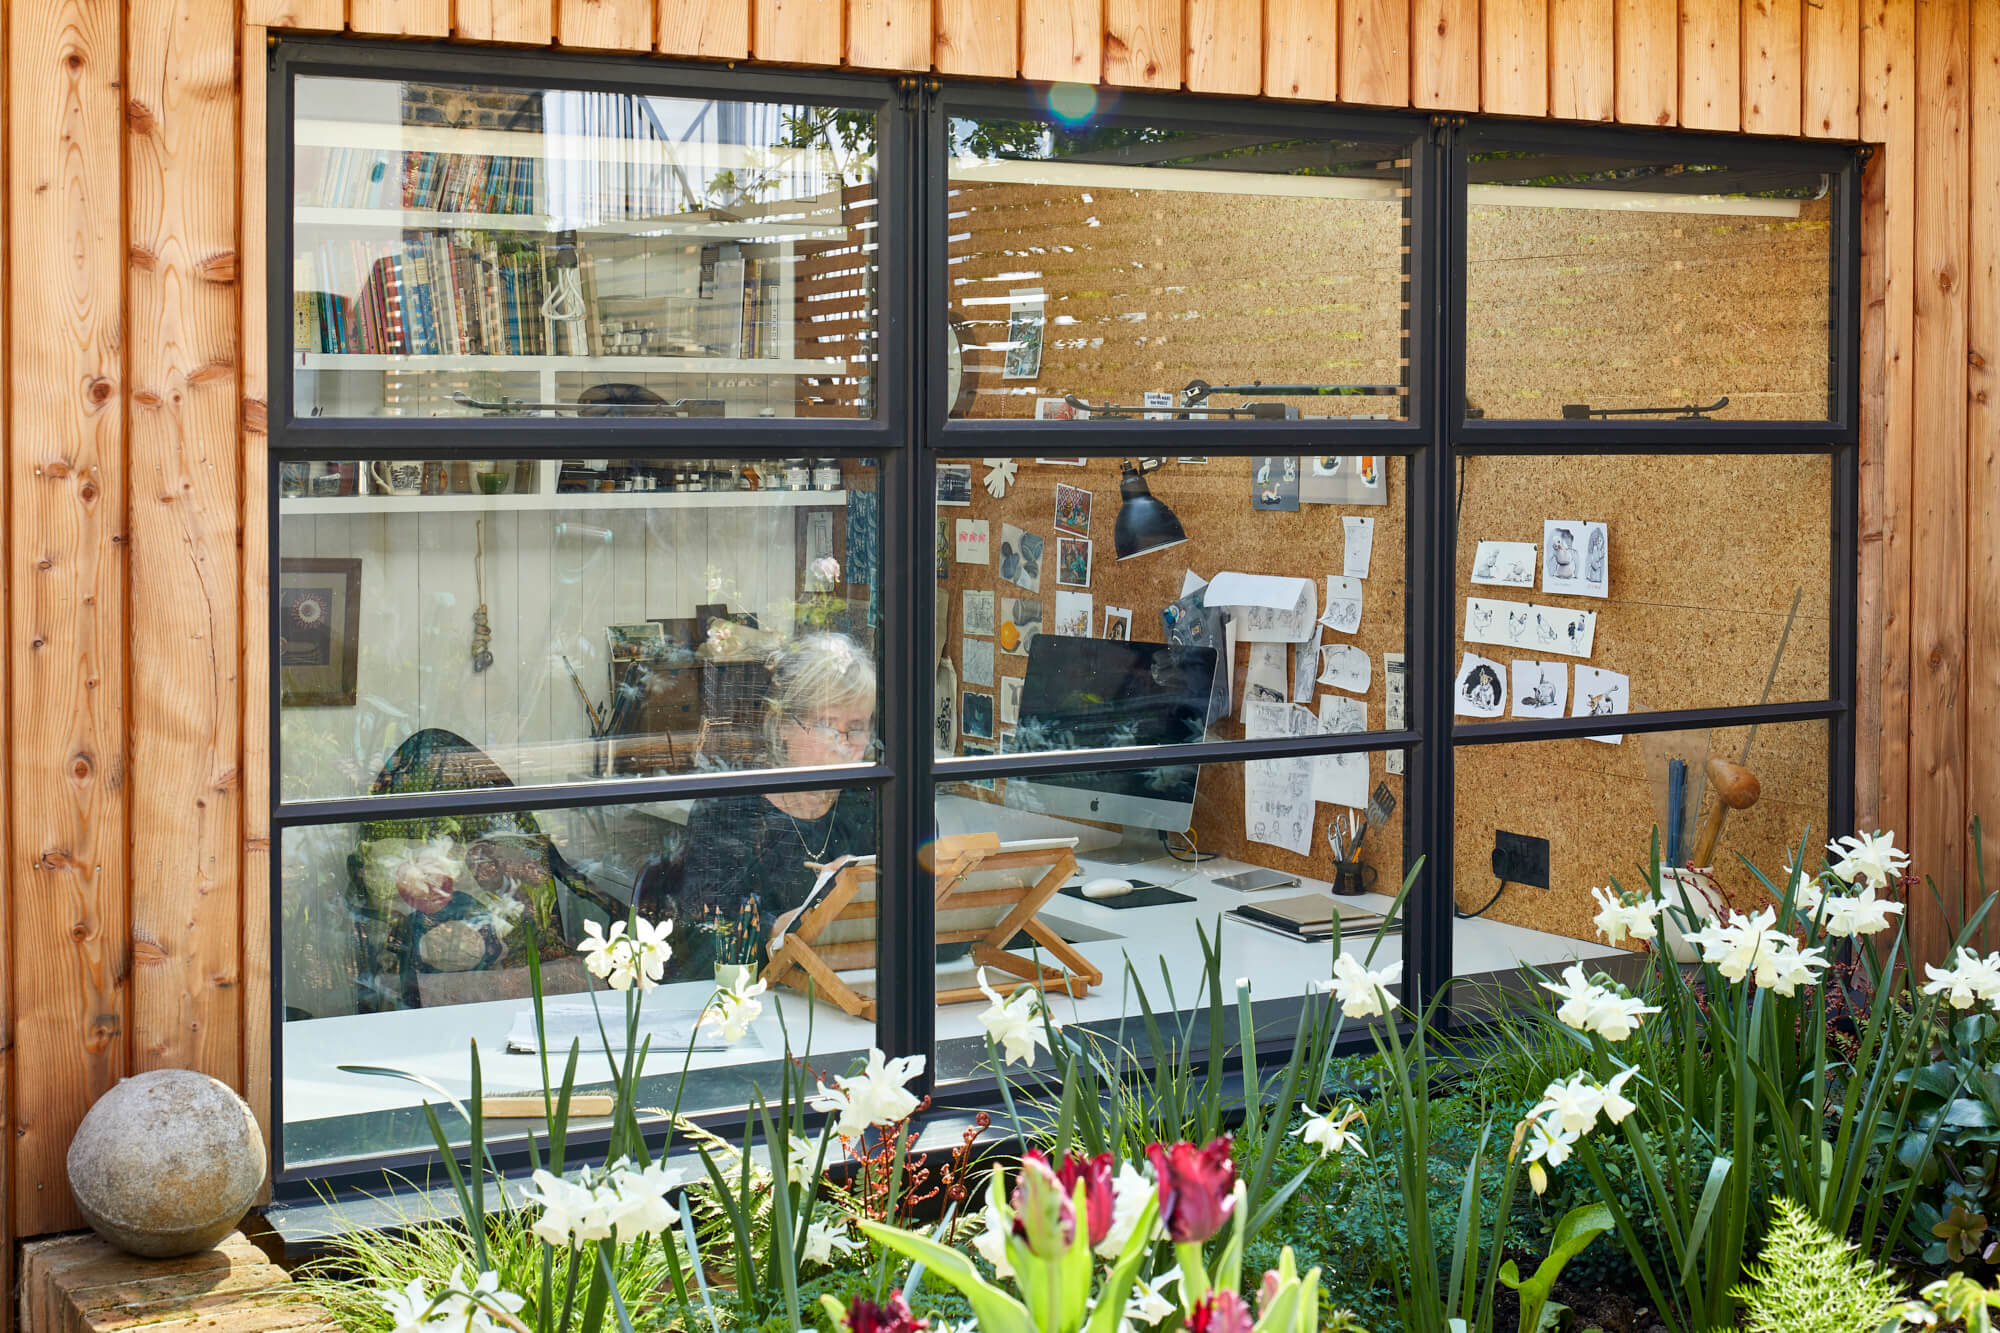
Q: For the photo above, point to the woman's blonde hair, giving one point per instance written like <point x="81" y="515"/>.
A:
<point x="811" y="675"/>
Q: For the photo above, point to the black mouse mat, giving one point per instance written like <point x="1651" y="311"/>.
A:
<point x="1142" y="895"/>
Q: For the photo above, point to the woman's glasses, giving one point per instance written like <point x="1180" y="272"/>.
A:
<point x="854" y="738"/>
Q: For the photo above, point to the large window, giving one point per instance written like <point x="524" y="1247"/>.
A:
<point x="1089" y="529"/>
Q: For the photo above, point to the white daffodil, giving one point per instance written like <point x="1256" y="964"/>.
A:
<point x="470" y="1307"/>
<point x="1571" y="1104"/>
<point x="1616" y="1104"/>
<point x="875" y="1096"/>
<point x="1148" y="1303"/>
<point x="650" y="951"/>
<point x="634" y="1201"/>
<point x="409" y="1307"/>
<point x="571" y="1214"/>
<point x="1618" y="917"/>
<point x="1784" y="967"/>
<point x="991" y="1242"/>
<point x="1858" y="914"/>
<point x="1869" y="857"/>
<point x="1970" y="980"/>
<point x="1130" y="1192"/>
<point x="1015" y="1023"/>
<point x="605" y="954"/>
<point x="823" y="1238"/>
<point x="734" y="1009"/>
<point x="1362" y="993"/>
<point x="1331" y="1136"/>
<point x="1590" y="1006"/>
<point x="1736" y="946"/>
<point x="802" y="1155"/>
<point x="1548" y="1146"/>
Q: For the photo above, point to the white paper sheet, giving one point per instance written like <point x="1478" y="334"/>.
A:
<point x="1278" y="805"/>
<point x="1344" y="667"/>
<point x="1544" y="629"/>
<point x="1601" y="693"/>
<point x="1480" y="689"/>
<point x="974" y="541"/>
<point x="1305" y="661"/>
<point x="1576" y="557"/>
<point x="1190" y="581"/>
<point x="976" y="662"/>
<point x="1074" y="614"/>
<point x="1395" y="697"/>
<point x="1265" y="680"/>
<point x="1360" y="546"/>
<point x="1268" y="608"/>
<point x="1341" y="779"/>
<point x="1540" y="688"/>
<point x="1508" y="564"/>
<point x="1343" y="604"/>
<point x="978" y="609"/>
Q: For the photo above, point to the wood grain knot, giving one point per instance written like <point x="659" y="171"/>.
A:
<point x="104" y="1029"/>
<point x="144" y="260"/>
<point x="146" y="398"/>
<point x="140" y="117"/>
<point x="147" y="951"/>
<point x="256" y="416"/>
<point x="87" y="492"/>
<point x="1946" y="279"/>
<point x="99" y="390"/>
<point x="1974" y="359"/>
<point x="72" y="58"/>
<point x="220" y="267"/>
<point x="80" y="767"/>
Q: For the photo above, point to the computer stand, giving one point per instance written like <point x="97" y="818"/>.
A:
<point x="1136" y="847"/>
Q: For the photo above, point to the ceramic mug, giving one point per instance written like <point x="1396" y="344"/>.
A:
<point x="403" y="476"/>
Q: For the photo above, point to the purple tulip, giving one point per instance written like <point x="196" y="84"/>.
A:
<point x="1220" y="1311"/>
<point x="1099" y="1199"/>
<point x="1197" y="1188"/>
<point x="891" y="1316"/>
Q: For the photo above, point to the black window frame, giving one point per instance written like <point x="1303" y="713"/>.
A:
<point x="910" y="431"/>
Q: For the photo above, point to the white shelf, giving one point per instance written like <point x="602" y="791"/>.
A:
<point x="526" y="365"/>
<point x="584" y="500"/>
<point x="540" y="144"/>
<point x="412" y="219"/>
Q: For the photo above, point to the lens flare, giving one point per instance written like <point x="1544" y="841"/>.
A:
<point x="1073" y="103"/>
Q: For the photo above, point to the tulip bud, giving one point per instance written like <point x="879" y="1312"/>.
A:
<point x="1099" y="1198"/>
<point x="1044" y="1216"/>
<point x="1196" y="1188"/>
<point x="1220" y="1311"/>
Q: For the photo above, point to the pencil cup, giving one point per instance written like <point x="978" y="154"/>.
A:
<point x="1352" y="878"/>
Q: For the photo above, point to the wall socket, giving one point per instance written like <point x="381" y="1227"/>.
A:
<point x="1519" y="858"/>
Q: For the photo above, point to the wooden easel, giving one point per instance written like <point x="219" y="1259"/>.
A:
<point x="837" y="933"/>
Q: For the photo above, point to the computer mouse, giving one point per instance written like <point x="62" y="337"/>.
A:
<point x="1107" y="888"/>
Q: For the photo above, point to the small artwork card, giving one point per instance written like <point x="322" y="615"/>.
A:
<point x="1341" y="779"/>
<point x="1021" y="557"/>
<point x="1024" y="335"/>
<point x="1343" y="604"/>
<point x="1540" y="688"/>
<point x="1020" y="622"/>
<point x="1274" y="483"/>
<point x="976" y="659"/>
<point x="1118" y="623"/>
<point x="1601" y="693"/>
<point x="974" y="541"/>
<point x="1010" y="699"/>
<point x="978" y="614"/>
<point x="1155" y="400"/>
<point x="1342" y="666"/>
<point x="1264" y="679"/>
<point x="1481" y="687"/>
<point x="1344" y="480"/>
<point x="954" y="484"/>
<point x="1073" y="562"/>
<point x="1059" y="409"/>
<point x="1359" y="549"/>
<point x="1576" y="558"/>
<point x="1505" y="564"/>
<point x="1547" y="629"/>
<point x="976" y="715"/>
<point x="1305" y="662"/>
<point x="1072" y="509"/>
<point x="1073" y="614"/>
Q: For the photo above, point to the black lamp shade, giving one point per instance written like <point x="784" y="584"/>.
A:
<point x="1144" y="524"/>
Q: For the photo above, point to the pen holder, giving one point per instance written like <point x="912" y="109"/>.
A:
<point x="1352" y="878"/>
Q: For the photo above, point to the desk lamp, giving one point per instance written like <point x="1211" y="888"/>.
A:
<point x="1145" y="524"/>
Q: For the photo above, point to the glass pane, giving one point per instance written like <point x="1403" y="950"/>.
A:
<point x="1578" y="813"/>
<point x="478" y="624"/>
<point x="1069" y="616"/>
<point x="1611" y="288"/>
<point x="478" y="251"/>
<point x="1630" y="583"/>
<point x="1123" y="270"/>
<point x="406" y="940"/>
<point x="1102" y="943"/>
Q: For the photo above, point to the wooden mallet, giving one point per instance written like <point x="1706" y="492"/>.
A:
<point x="1735" y="788"/>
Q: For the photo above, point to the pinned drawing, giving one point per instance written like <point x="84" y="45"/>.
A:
<point x="1342" y="666"/>
<point x="1073" y="614"/>
<point x="1576" y="558"/>
<point x="1601" y="693"/>
<point x="1343" y="604"/>
<point x="1020" y="622"/>
<point x="978" y="613"/>
<point x="1507" y="564"/>
<point x="977" y="660"/>
<point x="1117" y="623"/>
<point x="1481" y="687"/>
<point x="1547" y="629"/>
<point x="1540" y="688"/>
<point x="1352" y="479"/>
<point x="1274" y="483"/>
<point x="1021" y="557"/>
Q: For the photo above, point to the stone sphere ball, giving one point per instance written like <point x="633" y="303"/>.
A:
<point x="166" y="1163"/>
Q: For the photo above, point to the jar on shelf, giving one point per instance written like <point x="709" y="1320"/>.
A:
<point x="826" y="474"/>
<point x="798" y="477"/>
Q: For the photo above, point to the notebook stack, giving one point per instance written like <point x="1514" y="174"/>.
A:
<point x="1311" y="917"/>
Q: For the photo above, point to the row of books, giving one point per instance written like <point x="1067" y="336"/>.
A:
<point x="392" y="178"/>
<point x="1311" y="917"/>
<point x="436" y="294"/>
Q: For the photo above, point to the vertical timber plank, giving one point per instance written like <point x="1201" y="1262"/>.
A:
<point x="1711" y="64"/>
<point x="605" y="25"/>
<point x="980" y="38"/>
<point x="1375" y="52"/>
<point x="1142" y="43"/>
<point x="797" y="32"/>
<point x="521" y="22"/>
<point x="66" y="530"/>
<point x="889" y="34"/>
<point x="1444" y="54"/>
<point x="258" y="779"/>
<point x="1772" y="67"/>
<point x="1062" y="41"/>
<point x="718" y="29"/>
<point x="1301" y="42"/>
<point x="1646" y="41"/>
<point x="1938" y="463"/>
<point x="1225" y="46"/>
<point x="8" y="559"/>
<point x="1982" y="563"/>
<point x="305" y="15"/>
<point x="183" y="471"/>
<point x="1832" y="69"/>
<point x="400" y="18"/>
<point x="1514" y="38"/>
<point x="1581" y="63"/>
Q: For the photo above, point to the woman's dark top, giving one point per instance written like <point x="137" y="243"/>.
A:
<point x="746" y="864"/>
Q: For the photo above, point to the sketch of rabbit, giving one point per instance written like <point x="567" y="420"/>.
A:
<point x="1593" y="558"/>
<point x="1562" y="554"/>
<point x="1485" y="569"/>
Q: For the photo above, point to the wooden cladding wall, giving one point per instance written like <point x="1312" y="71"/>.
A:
<point x="132" y="409"/>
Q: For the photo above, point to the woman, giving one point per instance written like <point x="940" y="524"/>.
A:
<point x="749" y="858"/>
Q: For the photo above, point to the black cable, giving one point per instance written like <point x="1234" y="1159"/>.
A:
<point x="1194" y="855"/>
<point x="1467" y="916"/>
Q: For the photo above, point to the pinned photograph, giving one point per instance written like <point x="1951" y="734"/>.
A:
<point x="976" y="661"/>
<point x="1540" y="688"/>
<point x="1073" y="562"/>
<point x="1024" y="336"/>
<point x="1118" y="623"/>
<point x="1274" y="483"/>
<point x="1505" y="564"/>
<point x="1342" y="666"/>
<point x="1073" y="614"/>
<point x="976" y="715"/>
<point x="1349" y="479"/>
<point x="974" y="541"/>
<point x="1343" y="604"/>
<point x="1020" y="622"/>
<point x="1601" y="693"/>
<point x="1060" y="409"/>
<point x="1481" y="687"/>
<point x="954" y="484"/>
<point x="1021" y="557"/>
<point x="1072" y="509"/>
<point x="978" y="614"/>
<point x="1576" y="558"/>
<point x="1010" y="699"/>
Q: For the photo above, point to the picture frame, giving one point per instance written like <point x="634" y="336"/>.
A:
<point x="319" y="619"/>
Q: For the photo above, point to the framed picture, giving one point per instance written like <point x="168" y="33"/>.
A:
<point x="319" y="621"/>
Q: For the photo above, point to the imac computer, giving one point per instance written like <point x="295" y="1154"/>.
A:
<point x="1082" y="694"/>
